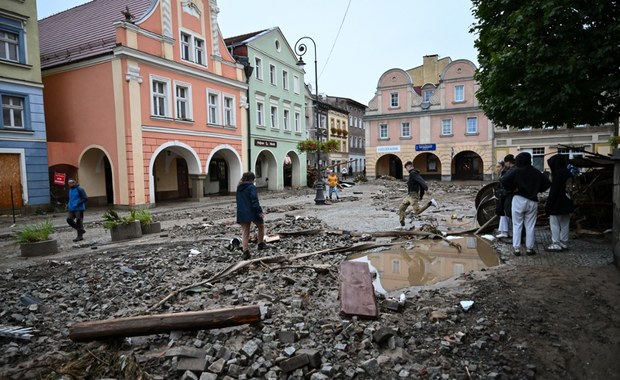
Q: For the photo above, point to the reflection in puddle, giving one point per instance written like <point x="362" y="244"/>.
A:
<point x="426" y="262"/>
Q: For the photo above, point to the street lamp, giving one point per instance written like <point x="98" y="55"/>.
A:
<point x="301" y="49"/>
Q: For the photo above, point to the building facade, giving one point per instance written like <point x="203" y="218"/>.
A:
<point x="276" y="108"/>
<point x="144" y="105"/>
<point x="438" y="124"/>
<point x="23" y="146"/>
<point x="356" y="132"/>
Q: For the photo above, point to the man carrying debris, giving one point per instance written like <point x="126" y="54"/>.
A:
<point x="416" y="186"/>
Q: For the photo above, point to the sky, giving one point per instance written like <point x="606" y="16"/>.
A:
<point x="356" y="40"/>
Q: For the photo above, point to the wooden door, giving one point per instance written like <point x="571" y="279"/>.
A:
<point x="10" y="178"/>
<point x="182" y="178"/>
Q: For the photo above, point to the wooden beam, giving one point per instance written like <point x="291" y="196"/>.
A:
<point x="161" y="323"/>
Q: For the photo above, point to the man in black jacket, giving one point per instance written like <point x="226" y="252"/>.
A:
<point x="416" y="186"/>
<point x="526" y="181"/>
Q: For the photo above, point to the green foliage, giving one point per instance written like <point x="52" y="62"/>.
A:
<point x="324" y="146"/>
<point x="111" y="219"/>
<point x="35" y="232"/>
<point x="548" y="61"/>
<point x="144" y="216"/>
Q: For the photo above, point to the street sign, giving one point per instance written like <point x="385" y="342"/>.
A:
<point x="425" y="147"/>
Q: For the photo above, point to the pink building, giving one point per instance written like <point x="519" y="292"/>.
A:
<point x="143" y="101"/>
<point x="429" y="115"/>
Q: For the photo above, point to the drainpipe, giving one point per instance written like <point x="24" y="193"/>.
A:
<point x="248" y="70"/>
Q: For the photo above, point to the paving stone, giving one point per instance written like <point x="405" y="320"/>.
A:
<point x="293" y="363"/>
<point x="191" y="364"/>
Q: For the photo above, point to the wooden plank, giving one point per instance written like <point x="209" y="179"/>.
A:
<point x="160" y="323"/>
<point x="357" y="295"/>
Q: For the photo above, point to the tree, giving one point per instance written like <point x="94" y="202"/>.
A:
<point x="548" y="62"/>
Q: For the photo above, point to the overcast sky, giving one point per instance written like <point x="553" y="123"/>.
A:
<point x="374" y="36"/>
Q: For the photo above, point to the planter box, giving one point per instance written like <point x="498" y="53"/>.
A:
<point x="39" y="248"/>
<point x="151" y="228"/>
<point x="126" y="231"/>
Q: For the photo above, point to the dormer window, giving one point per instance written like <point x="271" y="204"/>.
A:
<point x="394" y="100"/>
<point x="192" y="49"/>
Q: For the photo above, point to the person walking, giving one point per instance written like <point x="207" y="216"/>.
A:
<point x="416" y="187"/>
<point x="76" y="207"/>
<point x="505" y="220"/>
<point x="249" y="211"/>
<point x="559" y="206"/>
<point x="526" y="181"/>
<point x="332" y="184"/>
<point x="344" y="173"/>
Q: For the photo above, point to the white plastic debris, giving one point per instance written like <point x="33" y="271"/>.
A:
<point x="488" y="237"/>
<point x="466" y="305"/>
<point x="452" y="237"/>
<point x="402" y="299"/>
<point x="193" y="252"/>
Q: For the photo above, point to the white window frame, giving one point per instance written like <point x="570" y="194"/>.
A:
<point x="285" y="80"/>
<point x="273" y="74"/>
<point x="164" y="96"/>
<point x="214" y="107"/>
<point x="260" y="113"/>
<point x="468" y="129"/>
<point x="258" y="68"/>
<point x="192" y="48"/>
<point x="13" y="110"/>
<point x="394" y="100"/>
<point x="405" y="129"/>
<point x="286" y="122"/>
<point x="187" y="101"/>
<point x="230" y="116"/>
<point x="446" y="123"/>
<point x="296" y="88"/>
<point x="459" y="93"/>
<point x="383" y="131"/>
<point x="273" y="116"/>
<point x="427" y="95"/>
<point x="297" y="121"/>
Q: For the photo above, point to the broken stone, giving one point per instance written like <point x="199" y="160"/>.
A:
<point x="217" y="366"/>
<point x="192" y="364"/>
<point x="297" y="361"/>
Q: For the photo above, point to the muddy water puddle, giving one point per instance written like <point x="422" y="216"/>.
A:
<point x="426" y="262"/>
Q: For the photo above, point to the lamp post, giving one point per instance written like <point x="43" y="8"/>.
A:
<point x="301" y="49"/>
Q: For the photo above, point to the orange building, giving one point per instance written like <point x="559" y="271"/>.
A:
<point x="143" y="101"/>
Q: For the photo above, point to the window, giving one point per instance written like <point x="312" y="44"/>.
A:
<point x="260" y="114"/>
<point x="394" y="99"/>
<point x="446" y="127"/>
<point x="13" y="111"/>
<point x="431" y="163"/>
<point x="182" y="100"/>
<point x="472" y="125"/>
<point x="285" y="79"/>
<point x="571" y="153"/>
<point x="286" y="121"/>
<point x="297" y="122"/>
<point x="296" y="84"/>
<point x="405" y="130"/>
<point x="213" y="100"/>
<point x="272" y="75"/>
<point x="538" y="158"/>
<point x="9" y="46"/>
<point x="159" y="95"/>
<point x="395" y="266"/>
<point x="258" y="65"/>
<point x="383" y="131"/>
<point x="12" y="40"/>
<point x="323" y="121"/>
<point x="274" y="117"/>
<point x="426" y="95"/>
<point x="192" y="49"/>
<point x="229" y="111"/>
<point x="459" y="93"/>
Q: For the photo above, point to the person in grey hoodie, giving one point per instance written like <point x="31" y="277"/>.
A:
<point x="249" y="211"/>
<point x="526" y="181"/>
<point x="559" y="206"/>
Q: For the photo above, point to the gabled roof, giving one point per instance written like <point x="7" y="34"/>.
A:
<point x="86" y="30"/>
<point x="243" y="39"/>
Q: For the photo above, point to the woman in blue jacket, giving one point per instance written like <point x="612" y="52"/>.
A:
<point x="249" y="211"/>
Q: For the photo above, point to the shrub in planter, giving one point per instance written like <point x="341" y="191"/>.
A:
<point x="34" y="239"/>
<point x="147" y="224"/>
<point x="121" y="228"/>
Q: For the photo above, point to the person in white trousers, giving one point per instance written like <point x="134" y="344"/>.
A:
<point x="559" y="206"/>
<point x="526" y="181"/>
